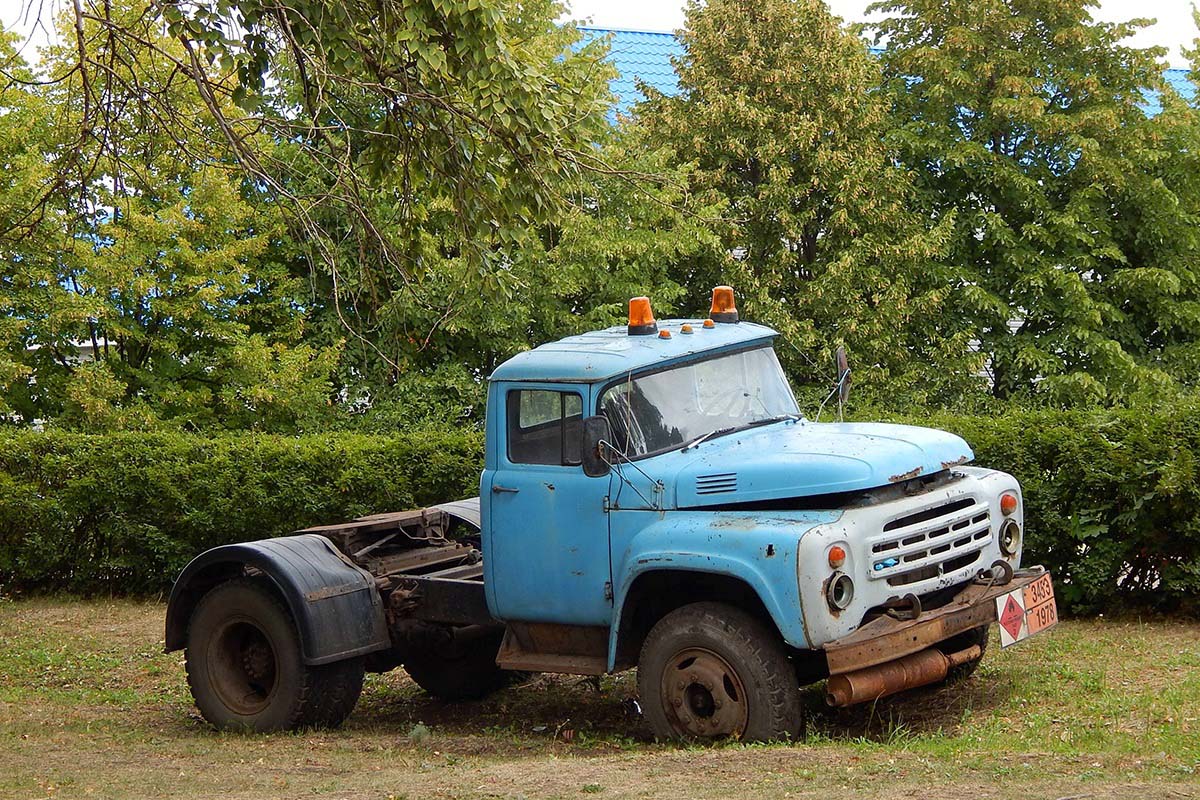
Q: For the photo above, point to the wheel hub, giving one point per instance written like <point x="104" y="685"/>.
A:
<point x="242" y="666"/>
<point x="257" y="661"/>
<point x="704" y="695"/>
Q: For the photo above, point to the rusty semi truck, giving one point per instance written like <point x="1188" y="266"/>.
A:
<point x="651" y="497"/>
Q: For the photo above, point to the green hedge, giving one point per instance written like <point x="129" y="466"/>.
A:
<point x="125" y="512"/>
<point x="1112" y="498"/>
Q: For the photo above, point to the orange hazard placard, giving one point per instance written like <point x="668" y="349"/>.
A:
<point x="1041" y="612"/>
<point x="1026" y="611"/>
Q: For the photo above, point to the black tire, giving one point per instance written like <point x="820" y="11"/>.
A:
<point x="711" y="670"/>
<point x="459" y="669"/>
<point x="337" y="687"/>
<point x="245" y="670"/>
<point x="962" y="641"/>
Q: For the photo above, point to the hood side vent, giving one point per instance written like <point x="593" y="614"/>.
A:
<point x="716" y="484"/>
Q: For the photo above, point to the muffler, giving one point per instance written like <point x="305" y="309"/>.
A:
<point x="917" y="669"/>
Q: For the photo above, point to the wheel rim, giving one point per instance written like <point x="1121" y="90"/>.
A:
<point x="703" y="695"/>
<point x="243" y="666"/>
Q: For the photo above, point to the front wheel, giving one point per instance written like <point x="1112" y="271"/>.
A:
<point x="246" y="671"/>
<point x="711" y="670"/>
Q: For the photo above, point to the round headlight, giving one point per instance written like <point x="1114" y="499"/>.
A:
<point x="1010" y="537"/>
<point x="840" y="591"/>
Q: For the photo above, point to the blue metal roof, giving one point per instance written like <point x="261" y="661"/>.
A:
<point x="638" y="55"/>
<point x="646" y="56"/>
<point x="598" y="355"/>
<point x="1177" y="79"/>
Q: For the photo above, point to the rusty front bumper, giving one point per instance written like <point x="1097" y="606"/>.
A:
<point x="888" y="638"/>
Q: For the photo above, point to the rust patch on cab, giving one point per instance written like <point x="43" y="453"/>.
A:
<point x="904" y="476"/>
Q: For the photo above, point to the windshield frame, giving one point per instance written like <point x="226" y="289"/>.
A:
<point x="633" y="375"/>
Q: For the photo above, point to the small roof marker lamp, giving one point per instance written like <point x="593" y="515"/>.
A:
<point x="641" y="317"/>
<point x="723" y="307"/>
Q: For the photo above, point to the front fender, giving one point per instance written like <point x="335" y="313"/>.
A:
<point x="757" y="548"/>
<point x="336" y="607"/>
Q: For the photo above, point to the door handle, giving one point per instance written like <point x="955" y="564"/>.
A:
<point x="496" y="489"/>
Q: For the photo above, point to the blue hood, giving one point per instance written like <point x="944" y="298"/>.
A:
<point x="795" y="459"/>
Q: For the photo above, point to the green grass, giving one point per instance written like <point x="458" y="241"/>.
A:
<point x="91" y="707"/>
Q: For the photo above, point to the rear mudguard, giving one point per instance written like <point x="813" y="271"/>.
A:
<point x="336" y="606"/>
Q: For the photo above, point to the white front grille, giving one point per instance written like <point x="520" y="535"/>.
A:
<point x="920" y="545"/>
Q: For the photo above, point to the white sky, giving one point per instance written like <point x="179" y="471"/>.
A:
<point x="1173" y="29"/>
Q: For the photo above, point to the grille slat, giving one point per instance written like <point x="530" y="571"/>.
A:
<point x="948" y="538"/>
<point x="910" y="520"/>
<point x="930" y="542"/>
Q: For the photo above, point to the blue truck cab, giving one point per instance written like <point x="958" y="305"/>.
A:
<point x="653" y="497"/>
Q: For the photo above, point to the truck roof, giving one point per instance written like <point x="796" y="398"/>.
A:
<point x="598" y="355"/>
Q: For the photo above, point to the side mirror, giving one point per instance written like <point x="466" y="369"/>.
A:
<point x="843" y="374"/>
<point x="596" y="431"/>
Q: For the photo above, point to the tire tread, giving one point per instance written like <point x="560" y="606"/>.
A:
<point x="747" y="635"/>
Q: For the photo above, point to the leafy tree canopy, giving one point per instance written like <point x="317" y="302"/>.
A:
<point x="282" y="215"/>
<point x="1022" y="124"/>
<point x="148" y="280"/>
<point x="778" y="115"/>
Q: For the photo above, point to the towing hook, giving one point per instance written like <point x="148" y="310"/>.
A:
<point x="1001" y="572"/>
<point x="906" y="608"/>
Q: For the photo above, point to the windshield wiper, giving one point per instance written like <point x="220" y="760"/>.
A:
<point x="699" y="440"/>
<point x="770" y="420"/>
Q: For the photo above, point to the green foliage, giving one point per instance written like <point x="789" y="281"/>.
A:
<point x="24" y="151"/>
<point x="1073" y="216"/>
<point x="421" y="190"/>
<point x="445" y="397"/>
<point x="778" y="116"/>
<point x="235" y="261"/>
<point x="467" y="141"/>
<point x="625" y="234"/>
<point x="460" y="124"/>
<point x="125" y="512"/>
<point x="466" y="112"/>
<point x="155" y="286"/>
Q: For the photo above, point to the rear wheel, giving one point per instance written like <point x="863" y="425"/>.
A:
<point x="246" y="671"/>
<point x="460" y="667"/>
<point x="711" y="671"/>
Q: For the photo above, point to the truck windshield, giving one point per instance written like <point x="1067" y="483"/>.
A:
<point x="674" y="407"/>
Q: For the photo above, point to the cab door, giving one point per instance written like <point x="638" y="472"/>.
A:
<point x="546" y="542"/>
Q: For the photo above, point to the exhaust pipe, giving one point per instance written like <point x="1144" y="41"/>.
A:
<point x="918" y="669"/>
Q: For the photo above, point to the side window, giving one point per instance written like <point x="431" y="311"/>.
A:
<point x="544" y="427"/>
